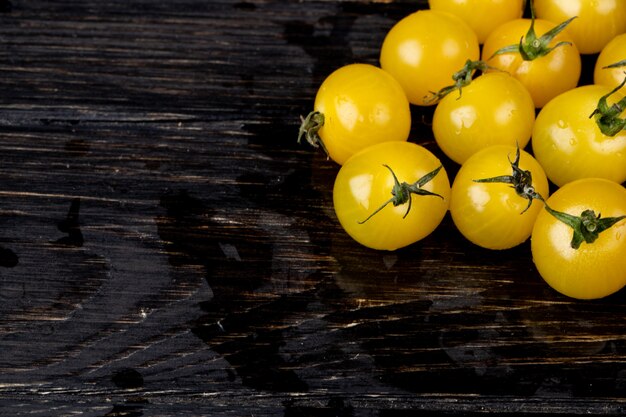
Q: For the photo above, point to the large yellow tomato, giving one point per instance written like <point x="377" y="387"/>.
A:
<point x="424" y="49"/>
<point x="358" y="105"/>
<point x="596" y="22"/>
<point x="366" y="185"/>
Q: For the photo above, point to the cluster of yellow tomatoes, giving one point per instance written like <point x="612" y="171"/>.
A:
<point x="501" y="83"/>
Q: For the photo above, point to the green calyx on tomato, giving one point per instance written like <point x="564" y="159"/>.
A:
<point x="401" y="191"/>
<point x="461" y="78"/>
<point x="521" y="181"/>
<point x="586" y="227"/>
<point x="309" y="127"/>
<point x="530" y="46"/>
<point x="607" y="117"/>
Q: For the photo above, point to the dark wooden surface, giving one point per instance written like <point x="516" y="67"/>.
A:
<point x="166" y="248"/>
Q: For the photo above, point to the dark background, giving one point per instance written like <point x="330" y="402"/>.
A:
<point x="167" y="248"/>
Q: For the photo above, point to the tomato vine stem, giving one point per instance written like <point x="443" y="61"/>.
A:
<point x="401" y="191"/>
<point x="530" y="46"/>
<point x="521" y="181"/>
<point x="462" y="78"/>
<point x="309" y="128"/>
<point x="608" y="117"/>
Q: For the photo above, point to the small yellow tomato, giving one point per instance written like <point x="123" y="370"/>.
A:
<point x="362" y="195"/>
<point x="570" y="145"/>
<point x="596" y="22"/>
<point x="546" y="76"/>
<point x="494" y="109"/>
<point x="492" y="214"/>
<point x="483" y="16"/>
<point x="614" y="52"/>
<point x="358" y="105"/>
<point x="423" y="49"/>
<point x="594" y="269"/>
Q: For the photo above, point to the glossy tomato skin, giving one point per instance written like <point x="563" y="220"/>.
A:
<point x="491" y="215"/>
<point x="424" y="49"/>
<point x="362" y="105"/>
<point x="594" y="270"/>
<point x="613" y="52"/>
<point x="363" y="184"/>
<point x="494" y="109"/>
<point x="544" y="77"/>
<point x="569" y="144"/>
<point x="482" y="16"/>
<point x="596" y="23"/>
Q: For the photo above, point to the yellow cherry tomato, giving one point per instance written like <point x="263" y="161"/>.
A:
<point x="545" y="77"/>
<point x="569" y="144"/>
<point x="596" y="22"/>
<point x="494" y="109"/>
<point x="359" y="105"/>
<point x="423" y="49"/>
<point x="614" y="52"/>
<point x="492" y="214"/>
<point x="363" y="191"/>
<point x="593" y="270"/>
<point x="483" y="16"/>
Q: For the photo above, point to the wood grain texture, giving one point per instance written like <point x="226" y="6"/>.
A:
<point x="167" y="248"/>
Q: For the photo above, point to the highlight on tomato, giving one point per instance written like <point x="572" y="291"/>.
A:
<point x="482" y="16"/>
<point x="596" y="23"/>
<point x="610" y="65"/>
<point x="578" y="243"/>
<point x="491" y="109"/>
<point x="492" y="197"/>
<point x="391" y="195"/>
<point x="424" y="48"/>
<point x="538" y="53"/>
<point x="356" y="106"/>
<point x="580" y="134"/>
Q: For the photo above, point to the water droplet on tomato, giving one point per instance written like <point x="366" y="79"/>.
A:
<point x="562" y="124"/>
<point x="511" y="204"/>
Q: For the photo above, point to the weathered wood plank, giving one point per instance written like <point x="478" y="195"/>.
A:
<point x="166" y="247"/>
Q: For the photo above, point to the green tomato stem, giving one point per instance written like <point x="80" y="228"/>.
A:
<point x="530" y="46"/>
<point x="587" y="227"/>
<point x="618" y="64"/>
<point x="309" y="127"/>
<point x="401" y="192"/>
<point x="462" y="78"/>
<point x="608" y="117"/>
<point x="521" y="181"/>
